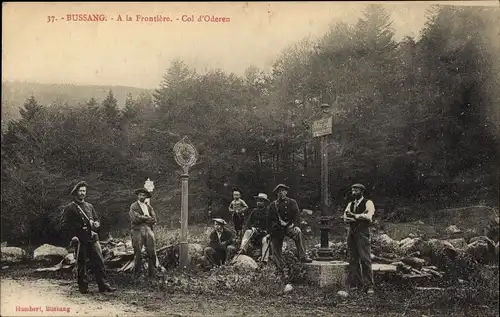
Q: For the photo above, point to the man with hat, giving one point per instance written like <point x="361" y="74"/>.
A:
<point x="80" y="221"/>
<point x="256" y="228"/>
<point x="283" y="222"/>
<point x="142" y="220"/>
<point x="359" y="215"/>
<point x="221" y="246"/>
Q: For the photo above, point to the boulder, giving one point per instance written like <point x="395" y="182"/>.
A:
<point x="50" y="254"/>
<point x="481" y="250"/>
<point x="245" y="262"/>
<point x="438" y="252"/>
<point x="195" y="252"/>
<point x="410" y="245"/>
<point x="450" y="230"/>
<point x="458" y="243"/>
<point x="12" y="255"/>
<point x="69" y="259"/>
<point x="384" y="243"/>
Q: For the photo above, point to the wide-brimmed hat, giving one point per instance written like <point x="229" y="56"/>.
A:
<point x="261" y="196"/>
<point x="359" y="186"/>
<point x="144" y="191"/>
<point x="280" y="186"/>
<point x="220" y="221"/>
<point x="77" y="186"/>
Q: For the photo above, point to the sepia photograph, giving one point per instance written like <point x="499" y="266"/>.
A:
<point x="250" y="158"/>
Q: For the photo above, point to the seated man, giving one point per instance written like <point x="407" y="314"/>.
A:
<point x="256" y="229"/>
<point x="221" y="245"/>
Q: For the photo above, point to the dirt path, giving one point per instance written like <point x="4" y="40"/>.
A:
<point x="41" y="295"/>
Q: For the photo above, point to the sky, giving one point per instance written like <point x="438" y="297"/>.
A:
<point x="37" y="48"/>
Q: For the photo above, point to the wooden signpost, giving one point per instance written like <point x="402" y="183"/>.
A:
<point x="322" y="128"/>
<point x="186" y="156"/>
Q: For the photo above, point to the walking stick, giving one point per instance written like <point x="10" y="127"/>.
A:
<point x="74" y="241"/>
<point x="267" y="250"/>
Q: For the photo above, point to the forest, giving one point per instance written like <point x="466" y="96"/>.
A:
<point x="415" y="120"/>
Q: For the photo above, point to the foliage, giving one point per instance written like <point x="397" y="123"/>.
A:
<point x="414" y="120"/>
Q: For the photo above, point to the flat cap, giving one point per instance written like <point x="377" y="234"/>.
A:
<point x="280" y="186"/>
<point x="77" y="186"/>
<point x="360" y="186"/>
<point x="220" y="221"/>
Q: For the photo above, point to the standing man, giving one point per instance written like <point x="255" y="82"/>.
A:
<point x="142" y="220"/>
<point x="256" y="228"/>
<point x="283" y="222"/>
<point x="359" y="215"/>
<point x="221" y="246"/>
<point x="80" y="221"/>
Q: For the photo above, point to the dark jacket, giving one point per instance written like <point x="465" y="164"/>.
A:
<point x="287" y="209"/>
<point x="226" y="238"/>
<point x="137" y="217"/>
<point x="74" y="224"/>
<point x="258" y="218"/>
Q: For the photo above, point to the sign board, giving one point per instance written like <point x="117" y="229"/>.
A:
<point x="185" y="153"/>
<point x="149" y="185"/>
<point x="322" y="127"/>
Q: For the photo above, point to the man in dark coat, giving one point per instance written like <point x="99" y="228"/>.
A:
<point x="221" y="246"/>
<point x="283" y="222"/>
<point x="359" y="215"/>
<point x="256" y="228"/>
<point x="80" y="221"/>
<point x="142" y="219"/>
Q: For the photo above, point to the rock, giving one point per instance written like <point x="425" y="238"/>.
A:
<point x="438" y="252"/>
<point x="307" y="211"/>
<point x="404" y="241"/>
<point x="384" y="243"/>
<point x="410" y="246"/>
<point x="245" y="262"/>
<point x="195" y="252"/>
<point x="288" y="288"/>
<point x="452" y="230"/>
<point x="479" y="250"/>
<point x="69" y="259"/>
<point x="342" y="294"/>
<point x="12" y="255"/>
<point x="50" y="254"/>
<point x="458" y="243"/>
<point x="128" y="244"/>
<point x="331" y="245"/>
<point x="4" y="244"/>
<point x="419" y="222"/>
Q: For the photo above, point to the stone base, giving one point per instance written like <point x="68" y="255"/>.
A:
<point x="334" y="273"/>
<point x="327" y="273"/>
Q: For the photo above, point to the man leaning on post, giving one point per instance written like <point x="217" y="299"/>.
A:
<point x="359" y="215"/>
<point x="142" y="220"/>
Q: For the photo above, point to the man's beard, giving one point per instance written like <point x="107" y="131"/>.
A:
<point x="80" y="197"/>
<point x="356" y="196"/>
<point x="142" y="200"/>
